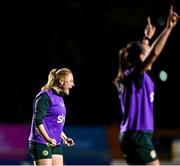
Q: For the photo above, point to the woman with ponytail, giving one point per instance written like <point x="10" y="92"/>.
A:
<point x="136" y="93"/>
<point x="49" y="113"/>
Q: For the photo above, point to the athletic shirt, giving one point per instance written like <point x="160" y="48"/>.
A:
<point x="137" y="103"/>
<point x="53" y="120"/>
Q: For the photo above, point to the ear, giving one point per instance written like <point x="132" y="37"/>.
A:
<point x="61" y="81"/>
<point x="142" y="57"/>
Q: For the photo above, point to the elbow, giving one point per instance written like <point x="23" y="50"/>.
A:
<point x="38" y="121"/>
<point x="155" y="54"/>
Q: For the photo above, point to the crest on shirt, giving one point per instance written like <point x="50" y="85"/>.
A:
<point x="153" y="154"/>
<point x="45" y="152"/>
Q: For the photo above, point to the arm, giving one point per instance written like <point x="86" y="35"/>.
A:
<point x="42" y="131"/>
<point x="160" y="42"/>
<point x="148" y="32"/>
<point x="158" y="45"/>
<point x="67" y="141"/>
<point x="41" y="109"/>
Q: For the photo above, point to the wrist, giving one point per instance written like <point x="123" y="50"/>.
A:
<point x="49" y="140"/>
<point x="64" y="138"/>
<point x="146" y="40"/>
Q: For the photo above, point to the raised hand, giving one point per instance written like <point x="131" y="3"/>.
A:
<point x="150" y="29"/>
<point x="172" y="18"/>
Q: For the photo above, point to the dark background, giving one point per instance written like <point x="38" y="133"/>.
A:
<point x="84" y="36"/>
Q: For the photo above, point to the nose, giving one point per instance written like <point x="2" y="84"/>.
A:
<point x="73" y="84"/>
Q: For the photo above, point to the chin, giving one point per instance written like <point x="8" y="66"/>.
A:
<point x="149" y="68"/>
<point x="66" y="92"/>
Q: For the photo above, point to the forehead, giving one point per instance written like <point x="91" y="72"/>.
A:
<point x="68" y="76"/>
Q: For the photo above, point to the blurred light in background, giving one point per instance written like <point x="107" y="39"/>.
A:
<point x="163" y="75"/>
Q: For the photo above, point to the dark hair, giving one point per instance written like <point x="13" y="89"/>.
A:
<point x="130" y="56"/>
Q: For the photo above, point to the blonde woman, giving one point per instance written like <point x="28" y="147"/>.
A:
<point x="49" y="114"/>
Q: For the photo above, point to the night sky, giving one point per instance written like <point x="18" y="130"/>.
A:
<point x="84" y="36"/>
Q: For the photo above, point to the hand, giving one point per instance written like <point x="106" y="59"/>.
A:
<point x="52" y="142"/>
<point x="150" y="29"/>
<point x="68" y="142"/>
<point x="172" y="18"/>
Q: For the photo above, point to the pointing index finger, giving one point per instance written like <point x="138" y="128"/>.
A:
<point x="148" y="20"/>
<point x="171" y="9"/>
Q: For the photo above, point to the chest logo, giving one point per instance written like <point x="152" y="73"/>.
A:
<point x="151" y="96"/>
<point x="61" y="119"/>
